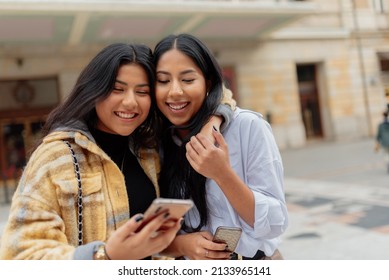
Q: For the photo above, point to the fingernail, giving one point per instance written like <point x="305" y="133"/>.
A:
<point x="157" y="210"/>
<point x="214" y="128"/>
<point x="139" y="218"/>
<point x="167" y="214"/>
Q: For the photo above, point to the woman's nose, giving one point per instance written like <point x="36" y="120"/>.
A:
<point x="175" y="89"/>
<point x="129" y="100"/>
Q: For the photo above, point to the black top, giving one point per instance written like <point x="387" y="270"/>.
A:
<point x="140" y="189"/>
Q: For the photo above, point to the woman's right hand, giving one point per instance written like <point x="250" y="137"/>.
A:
<point x="127" y="244"/>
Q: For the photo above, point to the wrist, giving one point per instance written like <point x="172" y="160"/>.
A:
<point x="225" y="177"/>
<point x="179" y="245"/>
<point x="101" y="253"/>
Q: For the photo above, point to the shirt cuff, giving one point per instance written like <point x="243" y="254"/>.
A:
<point x="85" y="252"/>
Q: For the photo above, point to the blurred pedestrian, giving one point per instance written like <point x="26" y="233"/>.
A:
<point x="382" y="138"/>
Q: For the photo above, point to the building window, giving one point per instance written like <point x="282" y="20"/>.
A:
<point x="380" y="6"/>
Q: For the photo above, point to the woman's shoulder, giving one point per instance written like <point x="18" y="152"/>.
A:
<point x="245" y="117"/>
<point x="247" y="114"/>
<point x="247" y="122"/>
<point x="48" y="149"/>
<point x="53" y="149"/>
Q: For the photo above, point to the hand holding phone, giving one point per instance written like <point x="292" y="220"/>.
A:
<point x="228" y="235"/>
<point x="175" y="207"/>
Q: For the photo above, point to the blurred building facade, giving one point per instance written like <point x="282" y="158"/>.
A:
<point x="316" y="69"/>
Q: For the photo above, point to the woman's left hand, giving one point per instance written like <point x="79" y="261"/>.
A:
<point x="199" y="246"/>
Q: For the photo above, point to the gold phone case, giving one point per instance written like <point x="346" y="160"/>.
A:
<point x="228" y="235"/>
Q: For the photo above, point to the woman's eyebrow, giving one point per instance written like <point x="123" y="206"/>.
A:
<point x="121" y="82"/>
<point x="163" y="72"/>
<point x="124" y="83"/>
<point x="181" y="73"/>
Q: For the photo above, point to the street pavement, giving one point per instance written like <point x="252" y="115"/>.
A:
<point x="338" y="201"/>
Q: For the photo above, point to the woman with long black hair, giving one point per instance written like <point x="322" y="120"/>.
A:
<point x="234" y="179"/>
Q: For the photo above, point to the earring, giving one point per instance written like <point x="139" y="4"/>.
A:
<point x="207" y="93"/>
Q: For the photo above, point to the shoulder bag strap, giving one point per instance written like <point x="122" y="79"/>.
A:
<point x="79" y="195"/>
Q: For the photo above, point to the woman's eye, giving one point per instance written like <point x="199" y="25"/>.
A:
<point x="117" y="89"/>
<point x="163" y="81"/>
<point x="188" y="80"/>
<point x="143" y="92"/>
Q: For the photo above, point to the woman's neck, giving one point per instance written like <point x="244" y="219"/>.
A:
<point x="182" y="133"/>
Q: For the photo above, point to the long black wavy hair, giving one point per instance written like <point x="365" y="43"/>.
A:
<point x="96" y="82"/>
<point x="178" y="179"/>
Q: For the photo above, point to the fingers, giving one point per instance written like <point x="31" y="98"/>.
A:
<point x="216" y="251"/>
<point x="163" y="238"/>
<point x="216" y="255"/>
<point x="220" y="140"/>
<point x="169" y="234"/>
<point x="115" y="243"/>
<point x="199" y="143"/>
<point x="198" y="146"/>
<point x="217" y="246"/>
<point x="212" y="250"/>
<point x="153" y="226"/>
<point x="130" y="227"/>
<point x="206" y="234"/>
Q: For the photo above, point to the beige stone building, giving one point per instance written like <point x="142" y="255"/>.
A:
<point x="318" y="70"/>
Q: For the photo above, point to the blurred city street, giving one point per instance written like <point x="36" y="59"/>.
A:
<point x="338" y="200"/>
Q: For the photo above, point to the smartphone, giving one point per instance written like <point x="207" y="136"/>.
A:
<point x="228" y="235"/>
<point x="176" y="208"/>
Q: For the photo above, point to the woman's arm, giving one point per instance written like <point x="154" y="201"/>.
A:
<point x="209" y="160"/>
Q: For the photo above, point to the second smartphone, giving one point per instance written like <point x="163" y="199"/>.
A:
<point x="228" y="235"/>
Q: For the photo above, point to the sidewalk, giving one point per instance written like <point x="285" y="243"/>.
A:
<point x="338" y="200"/>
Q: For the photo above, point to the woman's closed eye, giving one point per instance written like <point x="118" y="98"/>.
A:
<point x="162" y="81"/>
<point x="118" y="90"/>
<point x="143" y="92"/>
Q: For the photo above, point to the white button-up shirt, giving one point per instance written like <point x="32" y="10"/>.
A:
<point x="255" y="157"/>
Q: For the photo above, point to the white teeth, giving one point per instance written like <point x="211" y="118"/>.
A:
<point x="125" y="115"/>
<point x="177" y="107"/>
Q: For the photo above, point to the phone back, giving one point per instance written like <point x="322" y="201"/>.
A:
<point x="228" y="235"/>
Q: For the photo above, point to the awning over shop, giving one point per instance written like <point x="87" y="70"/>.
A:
<point x="84" y="23"/>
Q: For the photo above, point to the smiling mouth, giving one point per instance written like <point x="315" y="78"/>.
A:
<point x="177" y="106"/>
<point x="126" y="116"/>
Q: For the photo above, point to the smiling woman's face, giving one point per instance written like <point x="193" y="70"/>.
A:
<point x="181" y="87"/>
<point x="128" y="104"/>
